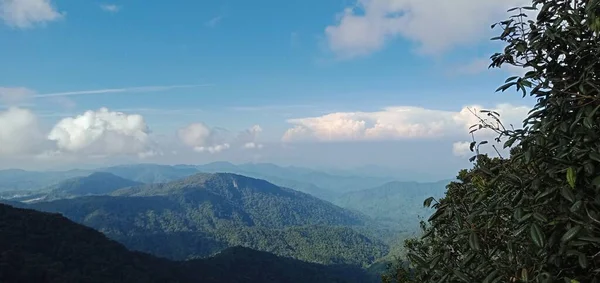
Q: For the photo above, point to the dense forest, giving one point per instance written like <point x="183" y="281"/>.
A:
<point x="44" y="247"/>
<point x="203" y="214"/>
<point x="533" y="216"/>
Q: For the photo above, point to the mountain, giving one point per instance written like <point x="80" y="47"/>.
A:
<point x="150" y="173"/>
<point x="399" y="204"/>
<point x="98" y="183"/>
<point x="21" y="180"/>
<point x="323" y="185"/>
<point x="319" y="184"/>
<point x="44" y="247"/>
<point x="206" y="213"/>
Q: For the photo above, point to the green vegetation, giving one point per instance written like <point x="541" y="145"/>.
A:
<point x="98" y="183"/>
<point x="43" y="247"/>
<point x="205" y="213"/>
<point x="533" y="217"/>
<point x="396" y="204"/>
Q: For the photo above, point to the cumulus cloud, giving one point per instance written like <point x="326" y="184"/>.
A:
<point x="435" y="25"/>
<point x="248" y="137"/>
<point x="28" y="13"/>
<point x="14" y="95"/>
<point x="103" y="133"/>
<point x="395" y="123"/>
<point x="202" y="138"/>
<point x="461" y="149"/>
<point x="19" y="132"/>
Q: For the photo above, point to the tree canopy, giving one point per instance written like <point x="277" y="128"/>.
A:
<point x="535" y="216"/>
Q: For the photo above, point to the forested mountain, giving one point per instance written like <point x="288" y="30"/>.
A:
<point x="205" y="213"/>
<point x="398" y="204"/>
<point x="98" y="183"/>
<point x="43" y="247"/>
<point x="319" y="184"/>
<point x="333" y="184"/>
<point x="150" y="173"/>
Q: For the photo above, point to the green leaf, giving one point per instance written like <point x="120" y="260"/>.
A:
<point x="595" y="156"/>
<point x="596" y="181"/>
<point x="461" y="275"/>
<point x="490" y="276"/>
<point x="567" y="194"/>
<point x="474" y="241"/>
<point x="427" y="202"/>
<point x="524" y="275"/>
<point x="590" y="239"/>
<point x="571" y="178"/>
<point x="570" y="234"/>
<point x="576" y="206"/>
<point x="581" y="257"/>
<point x="537" y="235"/>
<point x="540" y="217"/>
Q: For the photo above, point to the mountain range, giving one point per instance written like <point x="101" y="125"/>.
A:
<point x="320" y="184"/>
<point x="203" y="214"/>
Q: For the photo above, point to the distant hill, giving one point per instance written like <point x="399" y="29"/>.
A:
<point x="21" y="180"/>
<point x="323" y="185"/>
<point x="319" y="184"/>
<point x="398" y="204"/>
<point x="150" y="173"/>
<point x="205" y="213"/>
<point x="48" y="248"/>
<point x="98" y="183"/>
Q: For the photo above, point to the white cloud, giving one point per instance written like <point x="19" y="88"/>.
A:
<point x="19" y="132"/>
<point x="111" y="8"/>
<point x="14" y="95"/>
<point x="28" y="13"/>
<point x="435" y="25"/>
<point x="461" y="149"/>
<point x="248" y="137"/>
<point x="396" y="123"/>
<point x="103" y="133"/>
<point x="202" y="138"/>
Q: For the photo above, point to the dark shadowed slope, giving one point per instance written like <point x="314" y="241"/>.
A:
<point x="42" y="247"/>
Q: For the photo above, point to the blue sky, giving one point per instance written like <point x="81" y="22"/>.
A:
<point x="244" y="63"/>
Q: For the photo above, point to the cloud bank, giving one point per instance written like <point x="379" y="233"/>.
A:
<point x="401" y="123"/>
<point x="434" y="25"/>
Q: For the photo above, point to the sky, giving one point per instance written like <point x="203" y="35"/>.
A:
<point x="334" y="83"/>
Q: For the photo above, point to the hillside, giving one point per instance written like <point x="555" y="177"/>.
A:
<point x="21" y="180"/>
<point x="150" y="173"/>
<point x="332" y="184"/>
<point x="322" y="185"/>
<point x="98" y="183"/>
<point x="399" y="204"/>
<point x="205" y="213"/>
<point x="43" y="247"/>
